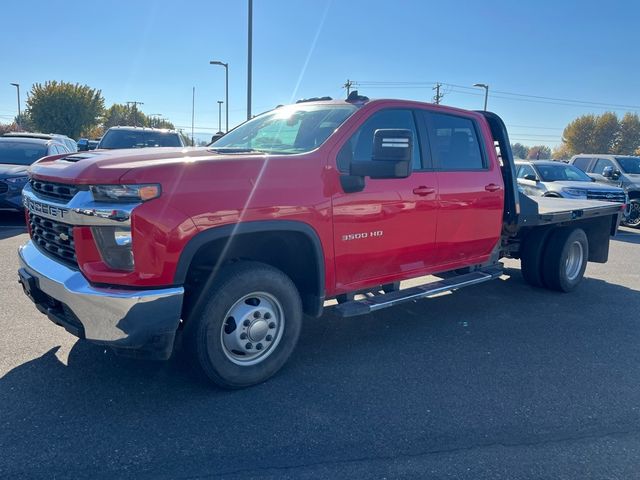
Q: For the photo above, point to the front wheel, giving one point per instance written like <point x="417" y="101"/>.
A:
<point x="633" y="220"/>
<point x="248" y="326"/>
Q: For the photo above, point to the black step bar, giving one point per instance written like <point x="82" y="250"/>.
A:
<point x="378" y="302"/>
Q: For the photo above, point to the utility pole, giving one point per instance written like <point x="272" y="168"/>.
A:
<point x="438" y="96"/>
<point x="249" y="55"/>
<point x="135" y="111"/>
<point x="17" y="85"/>
<point x="226" y="88"/>
<point x="348" y="84"/>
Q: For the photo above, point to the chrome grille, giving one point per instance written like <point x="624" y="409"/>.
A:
<point x="606" y="196"/>
<point x="59" y="191"/>
<point x="54" y="237"/>
<point x="3" y="187"/>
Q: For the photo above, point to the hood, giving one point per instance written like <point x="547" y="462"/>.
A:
<point x="11" y="170"/>
<point x="583" y="185"/>
<point x="109" y="166"/>
<point x="633" y="178"/>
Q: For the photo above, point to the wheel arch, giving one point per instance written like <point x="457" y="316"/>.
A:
<point x="291" y="246"/>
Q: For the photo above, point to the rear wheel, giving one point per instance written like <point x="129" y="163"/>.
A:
<point x="248" y="326"/>
<point x="565" y="259"/>
<point x="633" y="220"/>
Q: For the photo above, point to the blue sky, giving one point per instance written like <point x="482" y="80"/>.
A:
<point x="155" y="52"/>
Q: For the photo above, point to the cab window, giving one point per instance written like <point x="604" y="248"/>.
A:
<point x="455" y="143"/>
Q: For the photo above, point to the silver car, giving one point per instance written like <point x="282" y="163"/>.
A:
<point x="547" y="178"/>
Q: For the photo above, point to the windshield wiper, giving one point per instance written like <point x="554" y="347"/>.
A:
<point x="234" y="149"/>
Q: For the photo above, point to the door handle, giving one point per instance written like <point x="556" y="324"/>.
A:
<point x="424" y="191"/>
<point x="492" y="187"/>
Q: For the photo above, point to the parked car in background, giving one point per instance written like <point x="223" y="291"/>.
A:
<point x="93" y="144"/>
<point x="547" y="178"/>
<point x="68" y="142"/>
<point x="139" y="137"/>
<point x="85" y="144"/>
<point x="615" y="170"/>
<point x="16" y="154"/>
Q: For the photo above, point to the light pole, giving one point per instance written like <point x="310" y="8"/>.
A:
<point x="17" y="85"/>
<point x="220" y="102"/>
<point x="226" y="88"/>
<point x="486" y="92"/>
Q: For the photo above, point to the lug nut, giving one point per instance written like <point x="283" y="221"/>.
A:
<point x="272" y="325"/>
<point x="267" y="316"/>
<point x="247" y="322"/>
<point x="256" y="314"/>
<point x="259" y="346"/>
<point x="243" y="336"/>
<point x="248" y="346"/>
<point x="268" y="338"/>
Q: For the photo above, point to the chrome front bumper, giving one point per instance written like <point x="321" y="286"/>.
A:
<point x="130" y="319"/>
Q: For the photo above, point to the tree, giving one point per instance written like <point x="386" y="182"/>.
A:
<point x="579" y="134"/>
<point x="628" y="138"/>
<point x="115" y="115"/>
<point x="519" y="150"/>
<point x="24" y="122"/>
<point x="539" y="152"/>
<point x="605" y="133"/>
<point x="561" y="152"/>
<point x="66" y="108"/>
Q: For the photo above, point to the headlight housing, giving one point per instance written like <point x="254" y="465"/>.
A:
<point x="575" y="192"/>
<point x="125" y="193"/>
<point x="115" y="246"/>
<point x="17" y="180"/>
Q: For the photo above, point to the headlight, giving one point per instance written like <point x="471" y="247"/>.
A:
<point x="17" y="180"/>
<point x="125" y="193"/>
<point x="575" y="192"/>
<point x="114" y="245"/>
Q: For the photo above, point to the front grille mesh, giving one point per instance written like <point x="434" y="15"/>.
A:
<point x="59" y="191"/>
<point x="54" y="237"/>
<point x="606" y="196"/>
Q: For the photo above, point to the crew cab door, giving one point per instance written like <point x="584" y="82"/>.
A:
<point x="470" y="188"/>
<point x="387" y="230"/>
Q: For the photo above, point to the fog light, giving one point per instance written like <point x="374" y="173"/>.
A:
<point x="115" y="246"/>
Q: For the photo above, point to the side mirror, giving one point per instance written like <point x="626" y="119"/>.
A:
<point x="607" y="172"/>
<point x="616" y="174"/>
<point x="530" y="176"/>
<point x="391" y="156"/>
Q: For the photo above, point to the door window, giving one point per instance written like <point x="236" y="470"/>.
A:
<point x="525" y="170"/>
<point x="582" y="163"/>
<point x="454" y="143"/>
<point x="601" y="164"/>
<point x="360" y="146"/>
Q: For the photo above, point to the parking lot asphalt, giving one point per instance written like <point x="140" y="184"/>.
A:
<point x="497" y="381"/>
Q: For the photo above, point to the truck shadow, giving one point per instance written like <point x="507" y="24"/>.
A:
<point x="142" y="414"/>
<point x="11" y="224"/>
<point x="628" y="235"/>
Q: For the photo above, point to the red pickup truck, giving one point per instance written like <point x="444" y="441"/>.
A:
<point x="230" y="245"/>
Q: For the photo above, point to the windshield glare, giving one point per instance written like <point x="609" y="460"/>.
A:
<point x="21" y="153"/>
<point x="139" y="139"/>
<point x="290" y="129"/>
<point x="562" y="172"/>
<point x="629" y="164"/>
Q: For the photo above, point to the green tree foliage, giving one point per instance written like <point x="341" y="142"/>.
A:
<point x="561" y="152"/>
<point x="126" y="115"/>
<point x="61" y="107"/>
<point x="539" y="152"/>
<point x="605" y="133"/>
<point x="579" y="134"/>
<point x="628" y="139"/>
<point x="519" y="150"/>
<point x="24" y="122"/>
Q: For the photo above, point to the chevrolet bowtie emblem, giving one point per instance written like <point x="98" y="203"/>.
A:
<point x="64" y="237"/>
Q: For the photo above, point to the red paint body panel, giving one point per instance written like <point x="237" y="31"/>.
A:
<point x="458" y="224"/>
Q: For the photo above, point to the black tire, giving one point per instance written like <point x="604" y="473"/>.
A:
<point x="554" y="264"/>
<point x="206" y="328"/>
<point x="634" y="214"/>
<point x="533" y="247"/>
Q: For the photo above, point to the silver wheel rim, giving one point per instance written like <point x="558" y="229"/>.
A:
<point x="634" y="214"/>
<point x="575" y="257"/>
<point x="252" y="328"/>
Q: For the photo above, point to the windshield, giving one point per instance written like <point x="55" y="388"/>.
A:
<point x="629" y="164"/>
<point x="290" y="129"/>
<point x="562" y="172"/>
<point x="139" y="139"/>
<point x="21" y="153"/>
